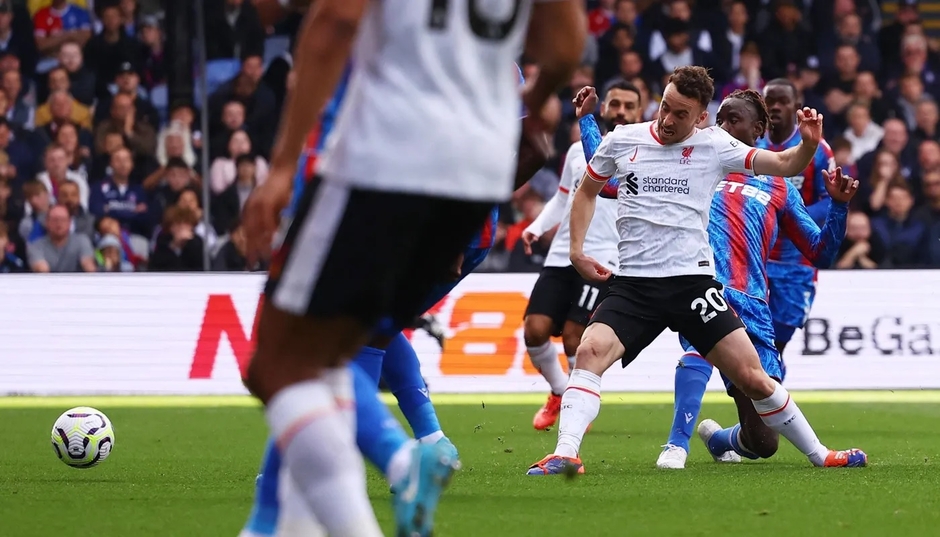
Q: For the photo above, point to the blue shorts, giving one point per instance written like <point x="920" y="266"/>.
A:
<point x="755" y="314"/>
<point x="792" y="291"/>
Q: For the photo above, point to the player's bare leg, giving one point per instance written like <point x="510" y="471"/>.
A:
<point x="297" y="373"/>
<point x="750" y="437"/>
<point x="537" y="331"/>
<point x="571" y="336"/>
<point x="736" y="357"/>
<point x="600" y="348"/>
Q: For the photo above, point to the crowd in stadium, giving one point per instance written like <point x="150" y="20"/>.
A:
<point x="100" y="171"/>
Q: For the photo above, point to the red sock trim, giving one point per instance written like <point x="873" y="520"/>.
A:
<point x="283" y="440"/>
<point x="777" y="411"/>
<point x="585" y="390"/>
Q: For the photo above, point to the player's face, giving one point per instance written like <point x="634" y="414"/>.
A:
<point x="781" y="103"/>
<point x="621" y="107"/>
<point x="738" y="119"/>
<point x="678" y="115"/>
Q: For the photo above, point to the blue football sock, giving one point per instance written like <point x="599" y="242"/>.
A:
<point x="402" y="372"/>
<point x="692" y="376"/>
<point x="370" y="360"/>
<point x="728" y="440"/>
<point x="378" y="434"/>
<point x="263" y="518"/>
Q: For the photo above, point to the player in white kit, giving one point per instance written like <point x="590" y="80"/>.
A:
<point x="668" y="171"/>
<point x="421" y="150"/>
<point x="561" y="303"/>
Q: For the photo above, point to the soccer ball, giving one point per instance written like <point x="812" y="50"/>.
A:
<point x="82" y="437"/>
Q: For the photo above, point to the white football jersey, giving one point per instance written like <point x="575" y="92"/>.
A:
<point x="432" y="104"/>
<point x="665" y="195"/>
<point x="602" y="237"/>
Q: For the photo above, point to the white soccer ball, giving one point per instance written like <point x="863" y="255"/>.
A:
<point x="82" y="437"/>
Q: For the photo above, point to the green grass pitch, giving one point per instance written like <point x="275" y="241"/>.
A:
<point x="186" y="467"/>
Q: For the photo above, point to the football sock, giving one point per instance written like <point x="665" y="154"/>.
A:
<point x="402" y="373"/>
<point x="780" y="413"/>
<point x="370" y="361"/>
<point x="692" y="376"/>
<point x="317" y="446"/>
<point x="545" y="359"/>
<point x="296" y="517"/>
<point x="729" y="440"/>
<point x="580" y="405"/>
<point x="378" y="434"/>
<point x="264" y="512"/>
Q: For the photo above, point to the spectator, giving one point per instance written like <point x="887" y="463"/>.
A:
<point x="191" y="200"/>
<point x="57" y="79"/>
<point x="929" y="214"/>
<point x="223" y="171"/>
<point x="747" y="75"/>
<point x="619" y="40"/>
<point x="178" y="248"/>
<point x="902" y="235"/>
<point x="175" y="141"/>
<point x="233" y="119"/>
<point x="13" y="40"/>
<point x="77" y="153"/>
<point x="9" y="261"/>
<point x="729" y="46"/>
<point x="129" y="15"/>
<point x="127" y="82"/>
<point x="235" y="29"/>
<point x="926" y="119"/>
<point x="889" y="38"/>
<point x="862" y="133"/>
<point x="601" y="17"/>
<point x="57" y="172"/>
<point x="19" y="165"/>
<point x="677" y="14"/>
<point x="154" y="68"/>
<point x="530" y="204"/>
<point x="915" y="61"/>
<point x="785" y="44"/>
<point x="258" y="99"/>
<point x="38" y="203"/>
<point x="82" y="221"/>
<point x="141" y="137"/>
<point x="860" y="249"/>
<point x="60" y="109"/>
<point x="61" y="250"/>
<point x="82" y="79"/>
<point x="19" y="113"/>
<point x="134" y="248"/>
<point x="117" y="198"/>
<point x="866" y="90"/>
<point x="842" y="154"/>
<point x="928" y="159"/>
<point x="183" y="113"/>
<point x="911" y="92"/>
<point x="56" y="24"/>
<point x="107" y="53"/>
<point x="680" y="49"/>
<point x="895" y="141"/>
<point x="110" y="256"/>
<point x="167" y="186"/>
<point x="849" y="32"/>
<point x="231" y="256"/>
<point x="873" y="191"/>
<point x="228" y="205"/>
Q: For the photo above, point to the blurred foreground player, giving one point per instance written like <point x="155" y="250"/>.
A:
<point x="562" y="301"/>
<point x="791" y="276"/>
<point x="376" y="231"/>
<point x="745" y="215"/>
<point x="668" y="172"/>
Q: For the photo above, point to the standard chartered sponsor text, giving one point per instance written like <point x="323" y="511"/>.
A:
<point x="665" y="185"/>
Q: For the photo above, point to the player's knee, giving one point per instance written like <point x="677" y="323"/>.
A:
<point x="536" y="330"/>
<point x="755" y="383"/>
<point x="571" y="343"/>
<point x="594" y="355"/>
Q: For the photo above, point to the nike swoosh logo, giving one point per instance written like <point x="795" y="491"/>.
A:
<point x="634" y="154"/>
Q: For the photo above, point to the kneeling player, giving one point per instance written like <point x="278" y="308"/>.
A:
<point x="745" y="214"/>
<point x="562" y="301"/>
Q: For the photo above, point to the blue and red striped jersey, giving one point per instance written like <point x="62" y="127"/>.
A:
<point x="745" y="215"/>
<point x="811" y="186"/>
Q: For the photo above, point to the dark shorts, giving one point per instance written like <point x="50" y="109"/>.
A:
<point x="563" y="295"/>
<point x="639" y="309"/>
<point x="371" y="255"/>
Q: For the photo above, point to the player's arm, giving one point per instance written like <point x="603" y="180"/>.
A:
<point x="590" y="136"/>
<point x="820" y="246"/>
<point x="794" y="160"/>
<point x="601" y="168"/>
<point x="554" y="210"/>
<point x="555" y="40"/>
<point x="824" y="160"/>
<point x="323" y="48"/>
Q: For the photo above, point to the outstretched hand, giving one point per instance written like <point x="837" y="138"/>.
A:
<point x="841" y="187"/>
<point x="585" y="102"/>
<point x="811" y="125"/>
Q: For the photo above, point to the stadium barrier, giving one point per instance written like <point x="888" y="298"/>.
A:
<point x="193" y="333"/>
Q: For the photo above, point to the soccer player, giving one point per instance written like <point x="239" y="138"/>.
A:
<point x="562" y="301"/>
<point x="791" y="276"/>
<point x="746" y="213"/>
<point x="668" y="171"/>
<point x="390" y="211"/>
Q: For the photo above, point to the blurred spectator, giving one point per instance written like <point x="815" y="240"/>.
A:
<point x="842" y="155"/>
<point x="676" y="16"/>
<point x="849" y="32"/>
<point x="167" y="185"/>
<point x="57" y="172"/>
<point x="110" y="256"/>
<point x="911" y="92"/>
<point x="866" y="90"/>
<point x="178" y="248"/>
<point x="530" y="204"/>
<point x="836" y="89"/>
<point x="117" y="198"/>
<point x="889" y="38"/>
<point x="228" y="205"/>
<point x="231" y="256"/>
<point x="140" y="135"/>
<point x="747" y="74"/>
<point x="928" y="160"/>
<point x="175" y="141"/>
<point x="19" y="112"/>
<point x="78" y="152"/>
<point x="916" y="61"/>
<point x="785" y="44"/>
<point x="235" y="29"/>
<point x="129" y="15"/>
<point x="108" y="53"/>
<point x="127" y="82"/>
<point x="60" y="22"/>
<point x="874" y="189"/>
<point x="860" y="249"/>
<point x="191" y="199"/>
<point x="82" y="79"/>
<point x="257" y="98"/>
<point x="681" y="50"/>
<point x="895" y="141"/>
<point x="17" y="160"/>
<point x="61" y="250"/>
<point x="929" y="214"/>
<point x="82" y="221"/>
<point x="134" y="248"/>
<point x="862" y="133"/>
<point x="61" y="109"/>
<point x="9" y="261"/>
<point x="233" y="119"/>
<point x="38" y="203"/>
<point x="729" y="46"/>
<point x="927" y="116"/>
<point x="601" y="17"/>
<point x="902" y="235"/>
<point x="154" y="69"/>
<point x="223" y="171"/>
<point x="14" y="40"/>
<point x="612" y="47"/>
<point x="184" y="114"/>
